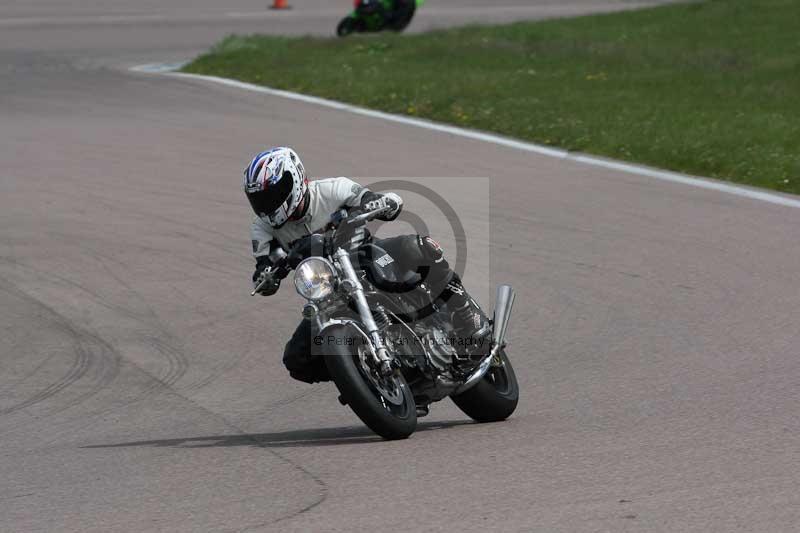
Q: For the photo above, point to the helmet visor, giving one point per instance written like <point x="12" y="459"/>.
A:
<point x="268" y="201"/>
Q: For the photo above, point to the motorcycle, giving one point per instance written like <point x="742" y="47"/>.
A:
<point x="371" y="16"/>
<point x="384" y="338"/>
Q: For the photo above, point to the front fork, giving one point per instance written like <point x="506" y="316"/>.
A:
<point x="356" y="290"/>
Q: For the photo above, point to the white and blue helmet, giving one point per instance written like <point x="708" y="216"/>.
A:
<point x="276" y="185"/>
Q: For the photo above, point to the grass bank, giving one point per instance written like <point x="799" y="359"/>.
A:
<point x="710" y="88"/>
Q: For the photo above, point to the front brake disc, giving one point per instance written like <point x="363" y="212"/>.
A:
<point x="390" y="388"/>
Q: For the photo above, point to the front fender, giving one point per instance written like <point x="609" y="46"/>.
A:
<point x="337" y="329"/>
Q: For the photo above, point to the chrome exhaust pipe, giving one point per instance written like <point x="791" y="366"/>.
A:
<point x="502" y="313"/>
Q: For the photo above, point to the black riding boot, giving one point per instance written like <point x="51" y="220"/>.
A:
<point x="471" y="326"/>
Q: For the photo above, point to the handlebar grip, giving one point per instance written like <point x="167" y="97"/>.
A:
<point x="266" y="277"/>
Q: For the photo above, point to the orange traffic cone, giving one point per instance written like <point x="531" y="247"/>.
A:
<point x="280" y="4"/>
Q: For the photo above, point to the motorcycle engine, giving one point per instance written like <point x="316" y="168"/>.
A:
<point x="435" y="342"/>
<point x="430" y="351"/>
<point x="439" y="347"/>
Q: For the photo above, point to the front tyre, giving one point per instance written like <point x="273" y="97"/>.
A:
<point x="385" y="405"/>
<point x="495" y="396"/>
<point x="403" y="18"/>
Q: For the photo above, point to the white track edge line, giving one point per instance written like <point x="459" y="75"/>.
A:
<point x="639" y="170"/>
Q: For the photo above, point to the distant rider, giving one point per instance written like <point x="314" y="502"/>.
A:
<point x="289" y="207"/>
<point x="389" y="10"/>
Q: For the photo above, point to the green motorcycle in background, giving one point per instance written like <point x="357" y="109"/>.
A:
<point x="378" y="15"/>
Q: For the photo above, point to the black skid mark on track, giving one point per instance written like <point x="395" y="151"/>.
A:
<point x="90" y="353"/>
<point x="175" y="370"/>
<point x="255" y="440"/>
<point x="28" y="375"/>
<point x="104" y="368"/>
<point x="97" y="298"/>
<point x="167" y="346"/>
<point x="227" y="364"/>
<point x="291" y="399"/>
<point x="227" y="361"/>
<point x="193" y="233"/>
<point x="80" y="365"/>
<point x="177" y="363"/>
<point x="323" y="487"/>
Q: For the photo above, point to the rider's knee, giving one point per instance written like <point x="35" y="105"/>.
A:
<point x="292" y="358"/>
<point x="304" y="366"/>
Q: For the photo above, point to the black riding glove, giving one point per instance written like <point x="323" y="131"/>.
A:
<point x="389" y="201"/>
<point x="273" y="274"/>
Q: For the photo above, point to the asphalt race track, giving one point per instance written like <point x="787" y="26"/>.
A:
<point x="655" y="334"/>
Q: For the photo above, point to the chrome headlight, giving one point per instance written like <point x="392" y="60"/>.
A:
<point x="314" y="278"/>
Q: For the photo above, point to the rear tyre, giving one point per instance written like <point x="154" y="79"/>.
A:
<point x="495" y="396"/>
<point x="385" y="405"/>
<point x="346" y="26"/>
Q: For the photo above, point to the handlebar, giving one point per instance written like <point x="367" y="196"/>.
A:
<point x="266" y="277"/>
<point x="366" y="217"/>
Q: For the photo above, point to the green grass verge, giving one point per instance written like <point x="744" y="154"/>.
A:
<point x="710" y="88"/>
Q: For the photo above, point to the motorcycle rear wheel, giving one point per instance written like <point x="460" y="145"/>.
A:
<point x="392" y="414"/>
<point x="495" y="397"/>
<point x="347" y="26"/>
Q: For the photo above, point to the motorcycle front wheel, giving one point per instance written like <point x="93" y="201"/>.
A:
<point x="495" y="397"/>
<point x="403" y="19"/>
<point x="385" y="404"/>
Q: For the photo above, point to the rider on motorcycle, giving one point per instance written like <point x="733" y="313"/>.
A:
<point x="289" y="207"/>
<point x="389" y="10"/>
